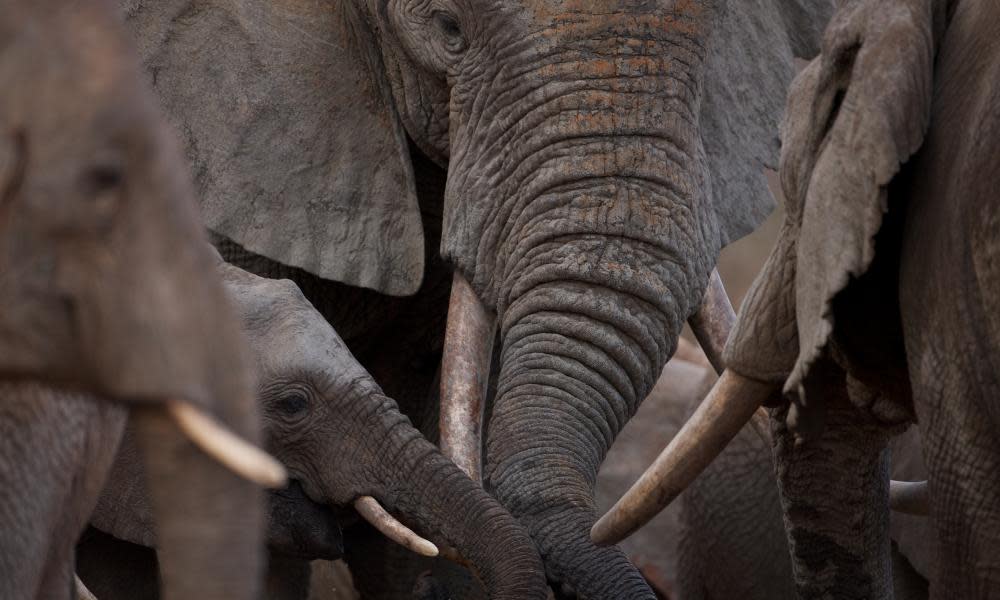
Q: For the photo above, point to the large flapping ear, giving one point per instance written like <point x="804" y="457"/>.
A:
<point x="855" y="115"/>
<point x="747" y="72"/>
<point x="297" y="148"/>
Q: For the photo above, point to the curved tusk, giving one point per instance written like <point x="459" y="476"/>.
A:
<point x="688" y="352"/>
<point x="465" y="373"/>
<point x="730" y="404"/>
<point x="232" y="451"/>
<point x="714" y="321"/>
<point x="82" y="593"/>
<point x="910" y="497"/>
<point x="372" y="511"/>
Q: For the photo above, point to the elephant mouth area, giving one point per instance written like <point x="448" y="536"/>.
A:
<point x="302" y="528"/>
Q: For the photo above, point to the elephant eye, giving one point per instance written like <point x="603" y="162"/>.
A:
<point x="102" y="178"/>
<point x="102" y="187"/>
<point x="292" y="403"/>
<point x="450" y="30"/>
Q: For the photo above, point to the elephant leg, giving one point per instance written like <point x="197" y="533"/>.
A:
<point x="57" y="448"/>
<point x="834" y="489"/>
<point x="732" y="542"/>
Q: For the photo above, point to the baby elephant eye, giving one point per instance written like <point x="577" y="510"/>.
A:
<point x="292" y="403"/>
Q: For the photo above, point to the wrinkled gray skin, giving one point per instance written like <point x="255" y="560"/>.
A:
<point x="725" y="537"/>
<point x="879" y="303"/>
<point x="598" y="155"/>
<point x="732" y="542"/>
<point x="328" y="421"/>
<point x="106" y="288"/>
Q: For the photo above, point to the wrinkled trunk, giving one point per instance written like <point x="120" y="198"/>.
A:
<point x="834" y="490"/>
<point x="604" y="257"/>
<point x="418" y="484"/>
<point x="570" y="380"/>
<point x="207" y="547"/>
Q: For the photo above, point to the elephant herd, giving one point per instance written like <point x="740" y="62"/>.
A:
<point x="411" y="266"/>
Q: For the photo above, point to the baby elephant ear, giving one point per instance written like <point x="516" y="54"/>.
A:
<point x="288" y="121"/>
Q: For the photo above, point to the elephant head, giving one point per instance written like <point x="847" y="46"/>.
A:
<point x="820" y="336"/>
<point x="344" y="443"/>
<point x="598" y="156"/>
<point x="107" y="284"/>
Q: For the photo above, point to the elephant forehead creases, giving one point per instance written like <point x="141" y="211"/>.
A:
<point x="684" y="16"/>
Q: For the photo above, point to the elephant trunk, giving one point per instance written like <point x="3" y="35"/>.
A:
<point x="207" y="547"/>
<point x="594" y="243"/>
<point x="577" y="360"/>
<point x="834" y="491"/>
<point x="425" y="489"/>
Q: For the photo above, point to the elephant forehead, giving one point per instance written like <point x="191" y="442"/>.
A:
<point x="285" y="332"/>
<point x="667" y="15"/>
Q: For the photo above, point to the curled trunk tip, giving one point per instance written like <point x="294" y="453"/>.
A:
<point x="732" y="402"/>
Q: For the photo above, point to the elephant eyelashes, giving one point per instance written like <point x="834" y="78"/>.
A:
<point x="452" y="33"/>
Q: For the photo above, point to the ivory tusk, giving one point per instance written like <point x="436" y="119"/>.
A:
<point x="82" y="593"/>
<point x="465" y="372"/>
<point x="691" y="353"/>
<point x="372" y="511"/>
<point x="909" y="497"/>
<point x="732" y="402"/>
<point x="233" y="452"/>
<point x="714" y="321"/>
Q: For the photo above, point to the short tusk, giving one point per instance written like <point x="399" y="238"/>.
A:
<point x="82" y="593"/>
<point x="233" y="452"/>
<point x="909" y="497"/>
<point x="730" y="404"/>
<point x="465" y="372"/>
<point x="713" y="321"/>
<point x="372" y="511"/>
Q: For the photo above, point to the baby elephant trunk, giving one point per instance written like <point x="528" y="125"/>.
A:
<point x="429" y="491"/>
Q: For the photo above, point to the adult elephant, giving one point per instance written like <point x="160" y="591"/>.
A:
<point x="106" y="287"/>
<point x="344" y="443"/>
<point x="597" y="157"/>
<point x="725" y="536"/>
<point x="879" y="302"/>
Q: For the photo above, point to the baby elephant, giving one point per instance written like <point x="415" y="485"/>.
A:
<point x="344" y="444"/>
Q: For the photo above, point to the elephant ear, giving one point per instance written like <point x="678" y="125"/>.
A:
<point x="855" y="115"/>
<point x="749" y="66"/>
<point x="297" y="149"/>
